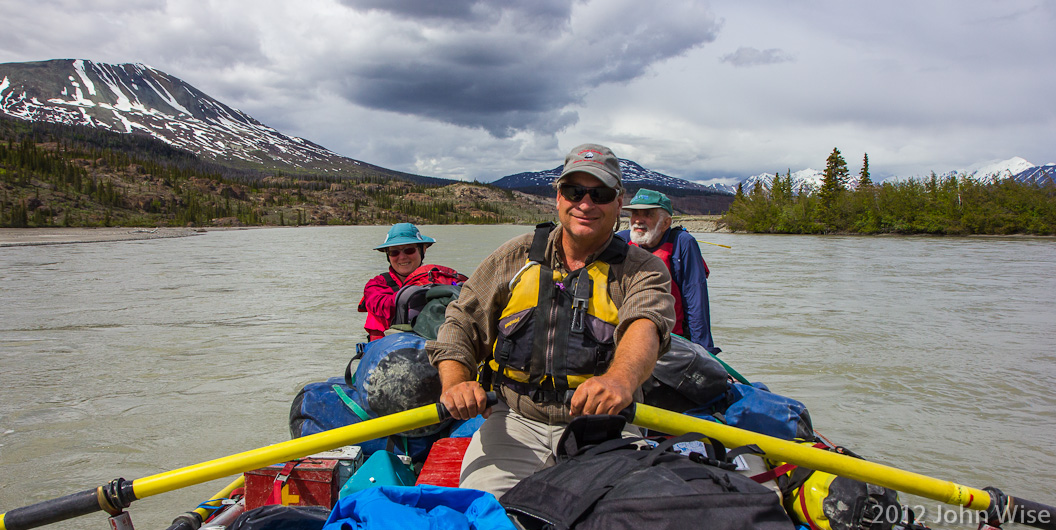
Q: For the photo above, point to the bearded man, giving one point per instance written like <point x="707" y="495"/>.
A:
<point x="651" y="230"/>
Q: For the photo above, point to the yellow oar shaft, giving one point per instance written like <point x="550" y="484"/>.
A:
<point x="817" y="459"/>
<point x="124" y="492"/>
<point x="716" y="244"/>
<point x="285" y="451"/>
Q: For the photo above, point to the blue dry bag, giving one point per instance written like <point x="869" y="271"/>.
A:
<point x="759" y="410"/>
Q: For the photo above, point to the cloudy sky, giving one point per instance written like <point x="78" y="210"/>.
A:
<point x="471" y="89"/>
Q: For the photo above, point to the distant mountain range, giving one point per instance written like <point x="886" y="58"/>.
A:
<point x="686" y="197"/>
<point x="634" y="177"/>
<point x="1015" y="167"/>
<point x="138" y="99"/>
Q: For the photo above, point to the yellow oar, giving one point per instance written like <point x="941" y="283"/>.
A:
<point x="716" y="244"/>
<point x="1020" y="510"/>
<point x="118" y="494"/>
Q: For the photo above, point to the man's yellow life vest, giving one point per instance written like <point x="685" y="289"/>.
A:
<point x="557" y="329"/>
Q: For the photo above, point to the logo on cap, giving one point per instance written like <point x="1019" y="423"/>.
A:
<point x="590" y="154"/>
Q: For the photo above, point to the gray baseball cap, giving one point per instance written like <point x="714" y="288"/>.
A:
<point x="596" y="160"/>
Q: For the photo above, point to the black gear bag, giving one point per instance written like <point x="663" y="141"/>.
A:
<point x="616" y="484"/>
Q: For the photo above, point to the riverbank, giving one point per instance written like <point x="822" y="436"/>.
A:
<point x="18" y="237"/>
<point x="692" y="223"/>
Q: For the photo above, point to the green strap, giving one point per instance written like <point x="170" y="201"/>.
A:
<point x="350" y="403"/>
<point x="729" y="369"/>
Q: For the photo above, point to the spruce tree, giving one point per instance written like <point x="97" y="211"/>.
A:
<point x="863" y="178"/>
<point x="776" y="186"/>
<point x="832" y="185"/>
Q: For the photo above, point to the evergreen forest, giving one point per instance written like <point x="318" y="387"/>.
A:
<point x="939" y="206"/>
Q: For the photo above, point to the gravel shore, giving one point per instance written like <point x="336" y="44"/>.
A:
<point x="16" y="237"/>
<point x="692" y="223"/>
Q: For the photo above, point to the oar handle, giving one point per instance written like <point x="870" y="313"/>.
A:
<point x="443" y="413"/>
<point x="111" y="498"/>
<point x="1007" y="509"/>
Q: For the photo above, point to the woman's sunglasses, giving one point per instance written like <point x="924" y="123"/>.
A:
<point x="408" y="251"/>
<point x="575" y="193"/>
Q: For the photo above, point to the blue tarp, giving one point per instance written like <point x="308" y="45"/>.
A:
<point x="422" y="507"/>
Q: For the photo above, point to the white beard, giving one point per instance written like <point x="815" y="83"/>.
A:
<point x="649" y="238"/>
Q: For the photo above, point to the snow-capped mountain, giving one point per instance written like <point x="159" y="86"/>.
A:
<point x="135" y="98"/>
<point x="1040" y="175"/>
<point x="634" y="176"/>
<point x="806" y="179"/>
<point x="1015" y="167"/>
<point x="719" y="187"/>
<point x="993" y="169"/>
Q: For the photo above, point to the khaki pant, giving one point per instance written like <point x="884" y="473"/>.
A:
<point x="508" y="448"/>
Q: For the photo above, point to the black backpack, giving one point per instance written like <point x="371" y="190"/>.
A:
<point x="280" y="517"/>
<point x="616" y="485"/>
<point x="686" y="377"/>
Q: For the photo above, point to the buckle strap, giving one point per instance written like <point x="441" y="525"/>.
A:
<point x="280" y="481"/>
<point x="536" y="394"/>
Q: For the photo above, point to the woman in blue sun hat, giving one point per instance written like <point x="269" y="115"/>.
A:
<point x="404" y="248"/>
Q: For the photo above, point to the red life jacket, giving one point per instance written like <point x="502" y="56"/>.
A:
<point x="664" y="252"/>
<point x="423" y="275"/>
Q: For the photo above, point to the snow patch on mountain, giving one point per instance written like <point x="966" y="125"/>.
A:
<point x="78" y="66"/>
<point x="1040" y="175"/>
<point x="806" y="180"/>
<point x="993" y="170"/>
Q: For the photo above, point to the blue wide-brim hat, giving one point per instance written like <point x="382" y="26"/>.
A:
<point x="404" y="234"/>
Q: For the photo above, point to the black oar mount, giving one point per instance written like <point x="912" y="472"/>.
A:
<point x="118" y="494"/>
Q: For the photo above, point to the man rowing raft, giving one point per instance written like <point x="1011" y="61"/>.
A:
<point x="565" y="322"/>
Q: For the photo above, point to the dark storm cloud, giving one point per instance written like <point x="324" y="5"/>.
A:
<point x="747" y="56"/>
<point x="512" y="66"/>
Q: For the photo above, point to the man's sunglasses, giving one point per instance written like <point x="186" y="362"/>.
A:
<point x="408" y="251"/>
<point x="575" y="193"/>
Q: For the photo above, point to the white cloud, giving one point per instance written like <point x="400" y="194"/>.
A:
<point x="474" y="89"/>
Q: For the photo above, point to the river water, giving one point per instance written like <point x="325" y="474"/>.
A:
<point x="127" y="359"/>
